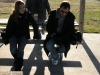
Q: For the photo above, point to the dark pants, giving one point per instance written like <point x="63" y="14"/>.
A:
<point x="50" y="45"/>
<point x="17" y="46"/>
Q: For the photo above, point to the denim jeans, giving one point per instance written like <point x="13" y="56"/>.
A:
<point x="17" y="46"/>
<point x="50" y="45"/>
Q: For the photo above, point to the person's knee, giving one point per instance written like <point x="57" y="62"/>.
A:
<point x="20" y="54"/>
<point x="49" y="46"/>
<point x="13" y="51"/>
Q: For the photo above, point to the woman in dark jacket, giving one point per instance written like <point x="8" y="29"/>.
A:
<point x="17" y="31"/>
<point x="60" y="28"/>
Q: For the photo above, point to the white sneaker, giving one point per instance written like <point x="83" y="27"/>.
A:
<point x="55" y="62"/>
<point x="50" y="57"/>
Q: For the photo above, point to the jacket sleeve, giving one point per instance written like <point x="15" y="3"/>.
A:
<point x="70" y="31"/>
<point x="49" y="26"/>
<point x="37" y="34"/>
<point x="48" y="7"/>
<point x="28" y="3"/>
<point x="9" y="27"/>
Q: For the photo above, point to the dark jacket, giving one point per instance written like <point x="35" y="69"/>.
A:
<point x="67" y="29"/>
<point x="38" y="6"/>
<point x="21" y="28"/>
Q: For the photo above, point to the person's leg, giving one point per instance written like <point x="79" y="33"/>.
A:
<point x="22" y="41"/>
<point x="13" y="46"/>
<point x="61" y="49"/>
<point x="50" y="46"/>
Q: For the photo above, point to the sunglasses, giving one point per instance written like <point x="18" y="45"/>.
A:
<point x="63" y="11"/>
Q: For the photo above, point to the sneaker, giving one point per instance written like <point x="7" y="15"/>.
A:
<point x="50" y="57"/>
<point x="55" y="62"/>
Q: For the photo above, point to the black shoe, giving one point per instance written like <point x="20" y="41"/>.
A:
<point x="17" y="69"/>
<point x="15" y="58"/>
<point x="19" y="64"/>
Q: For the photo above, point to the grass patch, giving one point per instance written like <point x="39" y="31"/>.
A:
<point x="6" y="9"/>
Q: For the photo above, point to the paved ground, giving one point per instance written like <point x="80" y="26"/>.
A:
<point x="85" y="60"/>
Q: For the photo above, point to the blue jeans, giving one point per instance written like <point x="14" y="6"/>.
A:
<point x="50" y="45"/>
<point x="17" y="46"/>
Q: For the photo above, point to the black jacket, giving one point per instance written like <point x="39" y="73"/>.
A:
<point x="67" y="30"/>
<point x="21" y="28"/>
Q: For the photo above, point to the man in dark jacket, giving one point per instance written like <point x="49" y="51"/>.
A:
<point x="38" y="7"/>
<point x="60" y="28"/>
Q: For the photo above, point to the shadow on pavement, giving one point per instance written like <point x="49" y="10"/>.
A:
<point x="40" y="64"/>
<point x="91" y="56"/>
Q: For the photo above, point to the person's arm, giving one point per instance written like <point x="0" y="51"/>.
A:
<point x="49" y="26"/>
<point x="48" y="7"/>
<point x="8" y="31"/>
<point x="37" y="34"/>
<point x="9" y="26"/>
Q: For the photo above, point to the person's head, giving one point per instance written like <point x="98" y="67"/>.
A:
<point x="19" y="7"/>
<point x="64" y="8"/>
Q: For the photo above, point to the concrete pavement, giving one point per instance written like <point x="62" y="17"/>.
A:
<point x="85" y="60"/>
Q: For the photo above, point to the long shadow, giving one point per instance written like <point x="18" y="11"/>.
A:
<point x="56" y="70"/>
<point x="38" y="63"/>
<point x="92" y="56"/>
<point x="9" y="62"/>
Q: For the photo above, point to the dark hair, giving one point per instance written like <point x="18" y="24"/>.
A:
<point x="16" y="10"/>
<point x="65" y="4"/>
